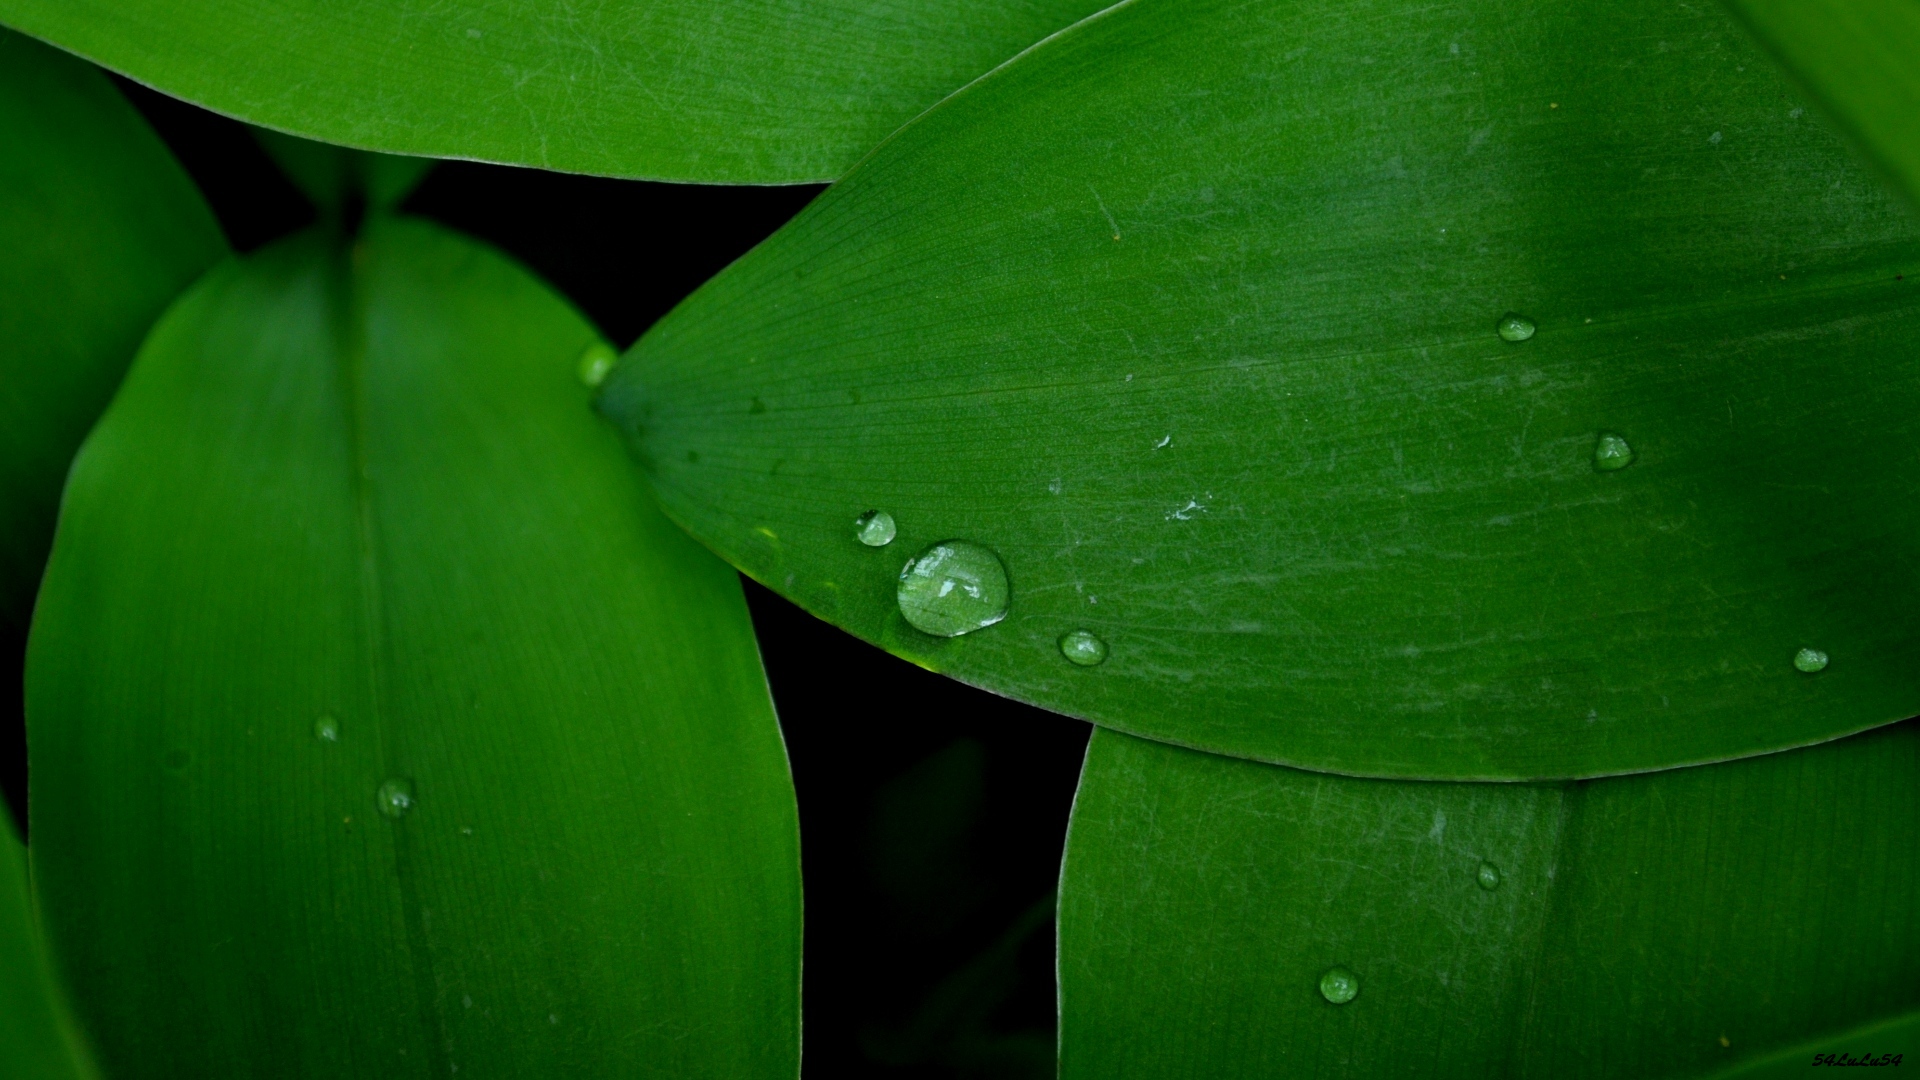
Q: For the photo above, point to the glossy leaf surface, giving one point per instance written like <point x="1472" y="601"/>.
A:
<point x="37" y="1037"/>
<point x="99" y="231"/>
<point x="718" y="91"/>
<point x="1862" y="58"/>
<point x="1193" y="315"/>
<point x="1665" y="925"/>
<point x="380" y="725"/>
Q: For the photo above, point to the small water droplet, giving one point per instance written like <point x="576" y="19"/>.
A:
<point x="1611" y="453"/>
<point x="395" y="797"/>
<point x="1810" y="660"/>
<point x="1165" y="441"/>
<point x="1339" y="985"/>
<point x="596" y="362"/>
<point x="954" y="587"/>
<point x="1488" y="876"/>
<point x="326" y="729"/>
<point x="874" y="528"/>
<point x="178" y="759"/>
<point x="1083" y="648"/>
<point x="1515" y="327"/>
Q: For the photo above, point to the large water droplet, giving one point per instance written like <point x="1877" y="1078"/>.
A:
<point x="874" y="528"/>
<point x="395" y="797"/>
<point x="1514" y="327"/>
<point x="596" y="362"/>
<point x="1611" y="452"/>
<point x="954" y="587"/>
<point x="1810" y="660"/>
<point x="1488" y="876"/>
<point x="326" y="729"/>
<point x="1339" y="985"/>
<point x="1083" y="648"/>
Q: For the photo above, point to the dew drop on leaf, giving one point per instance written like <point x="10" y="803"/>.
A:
<point x="1611" y="453"/>
<point x="596" y="362"/>
<point x="395" y="797"/>
<point x="954" y="587"/>
<point x="1514" y="327"/>
<point x="326" y="729"/>
<point x="1339" y="985"/>
<point x="1488" y="876"/>
<point x="874" y="528"/>
<point x="1083" y="648"/>
<point x="1810" y="660"/>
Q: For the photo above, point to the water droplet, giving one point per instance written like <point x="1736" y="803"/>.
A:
<point x="1339" y="985"/>
<point x="395" y="797"/>
<point x="1083" y="648"/>
<point x="1515" y="327"/>
<point x="178" y="759"/>
<point x="757" y="407"/>
<point x="326" y="729"/>
<point x="1611" y="453"/>
<point x="874" y="528"/>
<point x="596" y="362"/>
<point x="1488" y="876"/>
<point x="1165" y="441"/>
<point x="954" y="587"/>
<point x="1810" y="660"/>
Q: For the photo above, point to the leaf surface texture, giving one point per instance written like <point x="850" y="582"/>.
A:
<point x="380" y="725"/>
<point x="1665" y="925"/>
<point x="1193" y="315"/>
<point x="710" y="91"/>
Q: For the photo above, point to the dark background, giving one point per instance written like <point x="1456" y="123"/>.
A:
<point x="931" y="831"/>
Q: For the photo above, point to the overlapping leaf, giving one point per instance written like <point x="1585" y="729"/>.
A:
<point x="1667" y="925"/>
<point x="1192" y="314"/>
<point x="37" y="1037"/>
<point x="1862" y="58"/>
<point x="720" y="91"/>
<point x="380" y="725"/>
<point x="99" y="231"/>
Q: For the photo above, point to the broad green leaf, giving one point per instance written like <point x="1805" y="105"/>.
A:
<point x="1665" y="925"/>
<point x="99" y="230"/>
<point x="1190" y="315"/>
<point x="715" y="91"/>
<point x="380" y="725"/>
<point x="1861" y="59"/>
<point x="37" y="1037"/>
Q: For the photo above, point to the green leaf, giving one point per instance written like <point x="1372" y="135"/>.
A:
<point x="37" y="1038"/>
<point x="1190" y="314"/>
<point x="1665" y="925"/>
<point x="99" y="230"/>
<point x="379" y="723"/>
<point x="330" y="175"/>
<point x="1861" y="59"/>
<point x="716" y="91"/>
<point x="1888" y="1038"/>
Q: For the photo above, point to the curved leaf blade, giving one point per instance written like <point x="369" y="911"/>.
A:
<point x="1859" y="58"/>
<point x="37" y="1038"/>
<point x="1190" y="314"/>
<point x="379" y="725"/>
<point x="709" y="91"/>
<point x="1663" y="925"/>
<point x="99" y="230"/>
